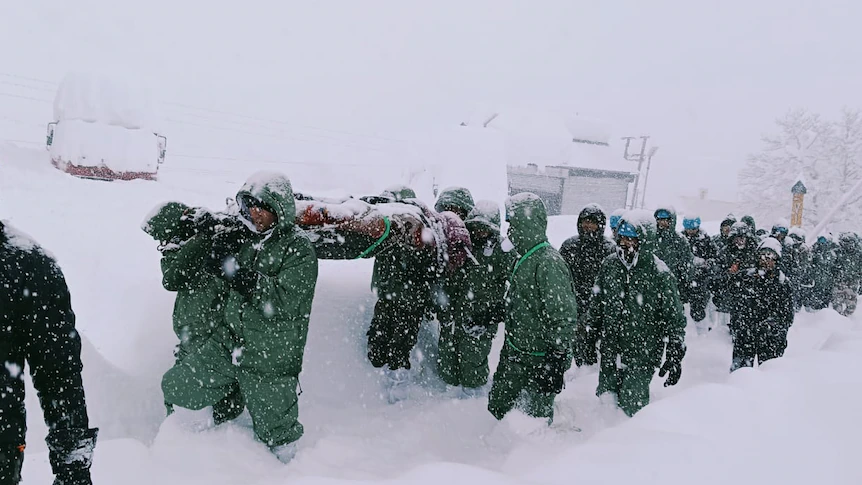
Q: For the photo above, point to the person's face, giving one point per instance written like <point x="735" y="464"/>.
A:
<point x="629" y="247"/>
<point x="739" y="241"/>
<point x="663" y="224"/>
<point x="691" y="232"/>
<point x="725" y="231"/>
<point x="588" y="226"/>
<point x="780" y="236"/>
<point x="262" y="219"/>
<point x="768" y="260"/>
<point x="480" y="237"/>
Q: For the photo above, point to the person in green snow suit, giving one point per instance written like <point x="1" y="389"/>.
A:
<point x="847" y="273"/>
<point x="271" y="279"/>
<point x="455" y="199"/>
<point x="478" y="306"/>
<point x="198" y="314"/>
<point x="636" y="310"/>
<point x="674" y="250"/>
<point x="197" y="309"/>
<point x="402" y="279"/>
<point x="541" y="314"/>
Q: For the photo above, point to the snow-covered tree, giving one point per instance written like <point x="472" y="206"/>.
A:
<point x="827" y="155"/>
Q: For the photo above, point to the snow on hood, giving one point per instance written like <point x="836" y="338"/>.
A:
<point x="772" y="244"/>
<point x="275" y="190"/>
<point x="781" y="222"/>
<point x="20" y="240"/>
<point x="639" y="217"/>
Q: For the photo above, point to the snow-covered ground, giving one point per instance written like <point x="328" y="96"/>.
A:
<point x="795" y="420"/>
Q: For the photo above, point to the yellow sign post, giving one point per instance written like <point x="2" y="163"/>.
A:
<point x="798" y="190"/>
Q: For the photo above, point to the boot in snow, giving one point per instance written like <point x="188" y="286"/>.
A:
<point x="474" y="392"/>
<point x="285" y="453"/>
<point x="398" y="383"/>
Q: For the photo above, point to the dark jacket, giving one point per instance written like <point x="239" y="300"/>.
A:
<point x="731" y="264"/>
<point x="764" y="297"/>
<point x="637" y="310"/>
<point x="674" y="250"/>
<point x="703" y="248"/>
<point x="541" y="308"/>
<point x="823" y="259"/>
<point x="584" y="256"/>
<point x="37" y="326"/>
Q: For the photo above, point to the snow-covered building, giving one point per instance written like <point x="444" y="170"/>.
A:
<point x="568" y="161"/>
<point x="103" y="128"/>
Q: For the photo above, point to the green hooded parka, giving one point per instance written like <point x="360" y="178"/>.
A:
<point x="269" y="324"/>
<point x="674" y="250"/>
<point x="541" y="312"/>
<point x="635" y="311"/>
<point x="478" y="306"/>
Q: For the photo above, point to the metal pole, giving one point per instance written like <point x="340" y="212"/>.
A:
<point x="640" y="167"/>
<point x="646" y="177"/>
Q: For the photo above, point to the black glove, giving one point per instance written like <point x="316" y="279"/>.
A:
<point x="672" y="364"/>
<point x="549" y="375"/>
<point x="71" y="454"/>
<point x="224" y="246"/>
<point x="244" y="281"/>
<point x="11" y="459"/>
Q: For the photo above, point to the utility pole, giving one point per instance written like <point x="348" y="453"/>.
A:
<point x="646" y="177"/>
<point x="638" y="158"/>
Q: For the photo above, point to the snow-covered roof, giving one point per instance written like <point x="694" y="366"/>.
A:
<point x="105" y="99"/>
<point x="547" y="138"/>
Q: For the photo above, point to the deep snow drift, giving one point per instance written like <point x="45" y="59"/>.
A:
<point x="795" y="420"/>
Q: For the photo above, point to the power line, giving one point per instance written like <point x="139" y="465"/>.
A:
<point x="21" y="122"/>
<point x="27" y="87"/>
<point x="278" y="137"/>
<point x="40" y="143"/>
<point x="265" y="120"/>
<point x="277" y="162"/>
<point x="203" y="109"/>
<point x="261" y="126"/>
<point x="24" y="78"/>
<point x="26" y="97"/>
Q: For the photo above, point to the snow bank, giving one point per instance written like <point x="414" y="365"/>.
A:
<point x="791" y="421"/>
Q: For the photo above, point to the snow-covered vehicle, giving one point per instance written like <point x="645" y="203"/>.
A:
<point x="102" y="129"/>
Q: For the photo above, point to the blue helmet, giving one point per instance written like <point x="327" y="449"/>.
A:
<point x="615" y="221"/>
<point x="662" y="214"/>
<point x="691" y="223"/>
<point x="628" y="230"/>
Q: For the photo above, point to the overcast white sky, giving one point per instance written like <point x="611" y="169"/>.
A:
<point x="704" y="78"/>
